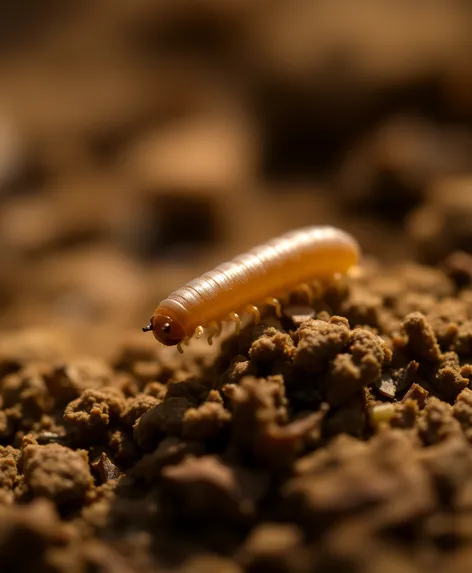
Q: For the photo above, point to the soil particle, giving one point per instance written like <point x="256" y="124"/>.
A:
<point x="442" y="224"/>
<point x="258" y="406"/>
<point x="68" y="381"/>
<point x="382" y="414"/>
<point x="155" y="389"/>
<point x="106" y="469"/>
<point x="271" y="347"/>
<point x="28" y="389"/>
<point x="29" y="536"/>
<point x="350" y="418"/>
<point x="125" y="450"/>
<point x="361" y="366"/>
<point x="362" y="308"/>
<point x="298" y="313"/>
<point x="463" y="340"/>
<point x="386" y="386"/>
<point x="8" y="471"/>
<point x="170" y="451"/>
<point x="449" y="464"/>
<point x="448" y="380"/>
<point x="320" y="494"/>
<point x="418" y="394"/>
<point x="97" y="508"/>
<point x="436" y="422"/>
<point x="394" y="381"/>
<point x="421" y="340"/>
<point x="319" y="342"/>
<point x="462" y="411"/>
<point x="207" y="487"/>
<point x="57" y="473"/>
<point x="406" y="414"/>
<point x="274" y="547"/>
<point x="445" y="318"/>
<point x="136" y="407"/>
<point x="165" y="419"/>
<point x="6" y="429"/>
<point x="238" y="369"/>
<point x="89" y="415"/>
<point x="458" y="267"/>
<point x="208" y="421"/>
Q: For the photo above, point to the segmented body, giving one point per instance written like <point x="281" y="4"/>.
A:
<point x="267" y="271"/>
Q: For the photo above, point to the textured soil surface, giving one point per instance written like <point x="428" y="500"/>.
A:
<point x="337" y="442"/>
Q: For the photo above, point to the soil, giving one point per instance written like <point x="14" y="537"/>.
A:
<point x="341" y="442"/>
<point x="143" y="142"/>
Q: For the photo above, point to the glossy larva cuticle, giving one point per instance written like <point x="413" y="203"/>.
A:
<point x="257" y="277"/>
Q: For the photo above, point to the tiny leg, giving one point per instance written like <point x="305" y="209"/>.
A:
<point x="235" y="318"/>
<point x="215" y="331"/>
<point x="179" y="348"/>
<point x="251" y="309"/>
<point x="308" y="291"/>
<point x="198" y="332"/>
<point x="317" y="288"/>
<point x="276" y="304"/>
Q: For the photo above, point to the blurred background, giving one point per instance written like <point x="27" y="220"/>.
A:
<point x="143" y="142"/>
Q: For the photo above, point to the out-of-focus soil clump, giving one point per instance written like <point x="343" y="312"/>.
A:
<point x="142" y="142"/>
<point x="345" y="440"/>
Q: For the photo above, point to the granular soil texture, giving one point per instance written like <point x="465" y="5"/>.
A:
<point x="335" y="439"/>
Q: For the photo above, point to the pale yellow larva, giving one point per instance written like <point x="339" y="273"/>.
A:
<point x="257" y="277"/>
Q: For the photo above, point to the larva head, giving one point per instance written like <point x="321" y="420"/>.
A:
<point x="166" y="330"/>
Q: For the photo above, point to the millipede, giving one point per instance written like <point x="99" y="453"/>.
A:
<point x="261" y="276"/>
